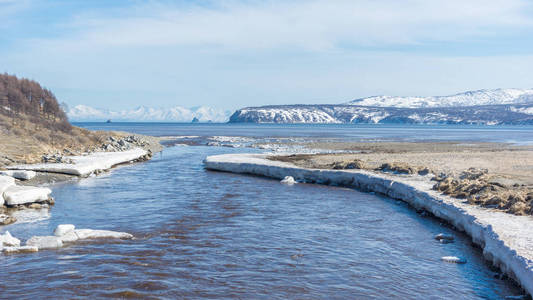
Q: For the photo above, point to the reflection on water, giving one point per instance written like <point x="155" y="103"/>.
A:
<point x="203" y="234"/>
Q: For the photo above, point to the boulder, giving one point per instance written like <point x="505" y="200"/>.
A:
<point x="442" y="236"/>
<point x="6" y="220"/>
<point x="45" y="242"/>
<point x="8" y="240"/>
<point x="63" y="229"/>
<point x="16" y="195"/>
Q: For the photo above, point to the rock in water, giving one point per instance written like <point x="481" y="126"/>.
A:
<point x="444" y="237"/>
<point x="8" y="240"/>
<point x="63" y="229"/>
<point x="45" y="242"/>
<point x="288" y="180"/>
<point x="6" y="220"/>
<point x="453" y="259"/>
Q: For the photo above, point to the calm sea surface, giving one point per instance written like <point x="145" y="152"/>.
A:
<point x="202" y="234"/>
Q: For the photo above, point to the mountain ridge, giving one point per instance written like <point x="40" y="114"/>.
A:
<point x="80" y="113"/>
<point x="468" y="98"/>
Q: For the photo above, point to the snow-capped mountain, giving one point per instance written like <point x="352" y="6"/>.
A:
<point x="471" y="98"/>
<point x="519" y="114"/>
<point x="149" y="114"/>
<point x="490" y="107"/>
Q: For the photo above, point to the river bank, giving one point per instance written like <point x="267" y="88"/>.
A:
<point x="503" y="237"/>
<point x="24" y="186"/>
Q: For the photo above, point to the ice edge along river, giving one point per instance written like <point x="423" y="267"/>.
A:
<point x="504" y="238"/>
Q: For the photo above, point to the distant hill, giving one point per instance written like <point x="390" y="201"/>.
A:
<point x="489" y="107"/>
<point x="149" y="114"/>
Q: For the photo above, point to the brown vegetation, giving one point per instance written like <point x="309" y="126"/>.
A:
<point x="25" y="100"/>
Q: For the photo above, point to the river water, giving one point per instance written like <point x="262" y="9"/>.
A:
<point x="203" y="234"/>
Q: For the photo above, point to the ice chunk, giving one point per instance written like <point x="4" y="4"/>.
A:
<point x="15" y="195"/>
<point x="20" y="249"/>
<point x="45" y="242"/>
<point x="453" y="259"/>
<point x="19" y="174"/>
<point x="8" y="240"/>
<point x="63" y="229"/>
<point x="288" y="180"/>
<point x="5" y="182"/>
<point x="69" y="237"/>
<point x="94" y="234"/>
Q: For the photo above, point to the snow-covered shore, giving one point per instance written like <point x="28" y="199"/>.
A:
<point x="13" y="195"/>
<point x="505" y="239"/>
<point x="85" y="165"/>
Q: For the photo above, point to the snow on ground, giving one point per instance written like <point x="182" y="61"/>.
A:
<point x="505" y="238"/>
<point x="86" y="164"/>
<point x="19" y="174"/>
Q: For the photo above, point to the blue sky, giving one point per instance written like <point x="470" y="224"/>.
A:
<point x="229" y="54"/>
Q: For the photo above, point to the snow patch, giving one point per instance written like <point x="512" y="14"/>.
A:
<point x="86" y="164"/>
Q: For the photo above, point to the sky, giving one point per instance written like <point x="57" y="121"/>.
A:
<point x="229" y="54"/>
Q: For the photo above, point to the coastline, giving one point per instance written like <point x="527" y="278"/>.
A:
<point x="502" y="236"/>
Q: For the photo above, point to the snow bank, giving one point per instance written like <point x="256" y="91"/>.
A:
<point x="15" y="195"/>
<point x="506" y="239"/>
<point x="19" y="174"/>
<point x="86" y="164"/>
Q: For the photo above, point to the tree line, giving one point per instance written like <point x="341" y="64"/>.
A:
<point x="23" y="97"/>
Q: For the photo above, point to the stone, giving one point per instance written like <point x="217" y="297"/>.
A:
<point x="6" y="219"/>
<point x="45" y="242"/>
<point x="442" y="236"/>
<point x="63" y="229"/>
<point x="35" y="206"/>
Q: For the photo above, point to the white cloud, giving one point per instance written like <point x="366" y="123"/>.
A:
<point x="309" y="25"/>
